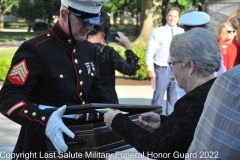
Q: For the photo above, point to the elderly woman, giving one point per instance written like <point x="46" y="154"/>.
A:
<point x="194" y="58"/>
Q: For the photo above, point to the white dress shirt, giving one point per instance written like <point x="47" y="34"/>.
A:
<point x="158" y="46"/>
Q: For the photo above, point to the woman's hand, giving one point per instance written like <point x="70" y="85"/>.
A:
<point x="123" y="41"/>
<point x="150" y="120"/>
<point x="108" y="117"/>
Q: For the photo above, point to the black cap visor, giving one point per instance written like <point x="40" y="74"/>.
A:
<point x="85" y="17"/>
<point x="90" y="20"/>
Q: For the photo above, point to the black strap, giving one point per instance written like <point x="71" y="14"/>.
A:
<point x="69" y="26"/>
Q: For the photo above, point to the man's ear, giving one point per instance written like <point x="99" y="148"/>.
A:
<point x="64" y="14"/>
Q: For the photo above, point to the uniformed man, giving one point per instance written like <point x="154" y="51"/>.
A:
<point x="53" y="69"/>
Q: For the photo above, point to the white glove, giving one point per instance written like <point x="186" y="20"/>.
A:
<point x="56" y="127"/>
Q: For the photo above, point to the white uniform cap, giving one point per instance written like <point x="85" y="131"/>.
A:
<point x="195" y="18"/>
<point x="85" y="10"/>
<point x="89" y="6"/>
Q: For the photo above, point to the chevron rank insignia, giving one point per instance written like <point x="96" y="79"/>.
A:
<point x="18" y="73"/>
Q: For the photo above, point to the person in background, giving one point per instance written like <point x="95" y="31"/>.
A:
<point x="109" y="59"/>
<point x="191" y="20"/>
<point x="50" y="71"/>
<point x="228" y="44"/>
<point x="198" y="19"/>
<point x="217" y="133"/>
<point x="157" y="60"/>
<point x="193" y="64"/>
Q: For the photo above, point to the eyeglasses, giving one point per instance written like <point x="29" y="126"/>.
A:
<point x="231" y="31"/>
<point x="172" y="63"/>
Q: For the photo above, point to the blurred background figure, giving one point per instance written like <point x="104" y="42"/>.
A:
<point x="194" y="19"/>
<point x="228" y="44"/>
<point x="157" y="60"/>
<point x="109" y="59"/>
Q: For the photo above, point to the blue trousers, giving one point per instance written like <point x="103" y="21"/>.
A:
<point x="163" y="83"/>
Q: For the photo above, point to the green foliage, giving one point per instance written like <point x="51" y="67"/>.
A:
<point x="6" y="5"/>
<point x="11" y="36"/>
<point x="119" y="6"/>
<point x="33" y="9"/>
<point x="51" y="8"/>
<point x="142" y="73"/>
<point x="5" y="65"/>
<point x="40" y="26"/>
<point x="115" y="6"/>
<point x="184" y="5"/>
<point x="30" y="9"/>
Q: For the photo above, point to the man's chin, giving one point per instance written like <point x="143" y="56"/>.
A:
<point x="81" y="38"/>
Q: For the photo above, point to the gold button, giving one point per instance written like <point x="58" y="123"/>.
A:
<point x="81" y="83"/>
<point x="48" y="35"/>
<point x="92" y="74"/>
<point x="83" y="102"/>
<point x="25" y="111"/>
<point x="80" y="71"/>
<point x="34" y="114"/>
<point x="69" y="41"/>
<point x="80" y="94"/>
<point x="61" y="76"/>
<point x="74" y="50"/>
<point x="76" y="61"/>
<point x="43" y="118"/>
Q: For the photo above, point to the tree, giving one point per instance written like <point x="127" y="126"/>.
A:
<point x="30" y="10"/>
<point x="5" y="6"/>
<point x="51" y="8"/>
<point x="117" y="7"/>
<point x="186" y="5"/>
<point x="33" y="9"/>
<point x="152" y="15"/>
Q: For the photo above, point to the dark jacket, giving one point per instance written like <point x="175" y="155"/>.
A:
<point x="50" y="69"/>
<point x="175" y="134"/>
<point x="109" y="60"/>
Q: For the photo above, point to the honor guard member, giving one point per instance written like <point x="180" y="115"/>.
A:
<point x="194" y="19"/>
<point x="56" y="68"/>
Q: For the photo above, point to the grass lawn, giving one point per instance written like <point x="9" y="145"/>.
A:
<point x="7" y="54"/>
<point x="10" y="36"/>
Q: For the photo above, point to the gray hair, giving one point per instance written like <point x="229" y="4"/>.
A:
<point x="199" y="45"/>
